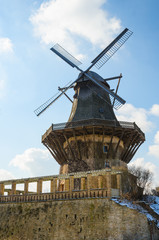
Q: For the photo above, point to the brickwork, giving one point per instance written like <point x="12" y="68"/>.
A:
<point x="85" y="219"/>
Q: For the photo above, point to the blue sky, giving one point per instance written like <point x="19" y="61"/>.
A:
<point x="30" y="73"/>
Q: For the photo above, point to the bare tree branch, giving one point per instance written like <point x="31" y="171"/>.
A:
<point x="144" y="177"/>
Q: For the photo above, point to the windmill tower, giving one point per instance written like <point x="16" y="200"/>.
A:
<point x="93" y="138"/>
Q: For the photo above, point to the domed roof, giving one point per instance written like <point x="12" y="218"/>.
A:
<point x="93" y="75"/>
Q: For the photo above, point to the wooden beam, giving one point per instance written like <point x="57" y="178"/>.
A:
<point x="128" y="143"/>
<point x="57" y="148"/>
<point x="50" y="150"/>
<point x="60" y="145"/>
<point x="93" y="142"/>
<point x="103" y="136"/>
<point x="130" y="152"/>
<point x="84" y="128"/>
<point x="116" y="149"/>
<point x="117" y="87"/>
<point x="85" y="141"/>
<point x="135" y="150"/>
<point x="72" y="153"/>
<point x="55" y="156"/>
<point x="110" y="143"/>
<point x="78" y="150"/>
<point x="133" y="142"/>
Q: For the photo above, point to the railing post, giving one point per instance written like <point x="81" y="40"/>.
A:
<point x="2" y="189"/>
<point x="67" y="184"/>
<point x="13" y="191"/>
<point x="39" y="186"/>
<point x="119" y="183"/>
<point x="53" y="185"/>
<point x="108" y="178"/>
<point x="26" y="187"/>
<point x="89" y="178"/>
<point x="83" y="183"/>
<point x="100" y="181"/>
<point x="71" y="184"/>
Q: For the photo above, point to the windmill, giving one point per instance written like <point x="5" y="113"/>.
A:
<point x="93" y="136"/>
<point x="99" y="61"/>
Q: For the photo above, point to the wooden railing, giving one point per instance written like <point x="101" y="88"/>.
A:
<point x="113" y="123"/>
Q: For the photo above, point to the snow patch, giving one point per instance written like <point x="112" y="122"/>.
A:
<point x="153" y="203"/>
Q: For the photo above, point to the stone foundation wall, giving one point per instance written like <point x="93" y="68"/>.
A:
<point x="87" y="219"/>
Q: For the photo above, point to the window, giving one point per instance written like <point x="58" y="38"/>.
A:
<point x="105" y="148"/>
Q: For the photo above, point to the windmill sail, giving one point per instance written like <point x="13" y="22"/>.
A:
<point x="66" y="56"/>
<point x="109" y="51"/>
<point x="51" y="100"/>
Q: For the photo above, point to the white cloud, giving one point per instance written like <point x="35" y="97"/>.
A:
<point x="155" y="110"/>
<point x="2" y="87"/>
<point x="138" y="115"/>
<point x="5" y="175"/>
<point x="35" y="161"/>
<point x="156" y="139"/>
<point x="3" y="81"/>
<point x="66" y="21"/>
<point x="25" y="160"/>
<point x="140" y="162"/>
<point x="154" y="149"/>
<point x="5" y="45"/>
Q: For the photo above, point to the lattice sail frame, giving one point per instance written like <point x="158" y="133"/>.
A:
<point x="109" y="51"/>
<point x="50" y="101"/>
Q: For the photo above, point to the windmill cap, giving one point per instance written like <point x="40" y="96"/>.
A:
<point x="93" y="75"/>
